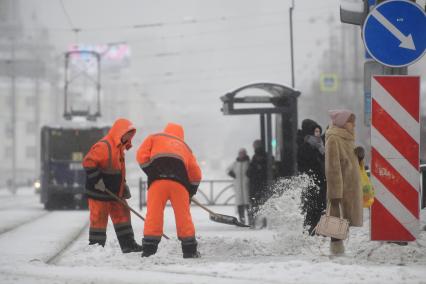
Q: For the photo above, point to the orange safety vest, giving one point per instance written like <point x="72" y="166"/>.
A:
<point x="165" y="155"/>
<point x="106" y="160"/>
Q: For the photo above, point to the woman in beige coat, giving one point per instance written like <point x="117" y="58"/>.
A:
<point x="342" y="172"/>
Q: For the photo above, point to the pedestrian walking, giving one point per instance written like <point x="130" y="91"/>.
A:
<point x="238" y="171"/>
<point x="342" y="172"/>
<point x="311" y="161"/>
<point x="257" y="173"/>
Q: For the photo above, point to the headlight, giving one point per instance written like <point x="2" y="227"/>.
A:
<point x="37" y="185"/>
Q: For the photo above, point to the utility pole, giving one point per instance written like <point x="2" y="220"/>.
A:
<point x="343" y="70"/>
<point x="13" y="118"/>
<point x="356" y="54"/>
<point x="291" y="43"/>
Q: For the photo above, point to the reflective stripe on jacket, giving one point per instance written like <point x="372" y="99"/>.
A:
<point x="166" y="156"/>
<point x="106" y="160"/>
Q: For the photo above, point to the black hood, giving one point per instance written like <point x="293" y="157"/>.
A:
<point x="308" y="126"/>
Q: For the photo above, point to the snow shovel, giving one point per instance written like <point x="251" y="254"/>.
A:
<point x="220" y="218"/>
<point x="128" y="207"/>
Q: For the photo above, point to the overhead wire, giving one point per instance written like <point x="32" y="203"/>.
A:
<point x="70" y="22"/>
<point x="176" y="23"/>
<point x="186" y="22"/>
<point x="67" y="16"/>
<point x="137" y="26"/>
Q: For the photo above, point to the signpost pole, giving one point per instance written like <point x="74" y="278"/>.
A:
<point x="291" y="43"/>
<point x="13" y="126"/>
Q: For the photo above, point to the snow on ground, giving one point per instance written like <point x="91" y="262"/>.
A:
<point x="24" y="199"/>
<point x="41" y="239"/>
<point x="280" y="254"/>
<point x="19" y="208"/>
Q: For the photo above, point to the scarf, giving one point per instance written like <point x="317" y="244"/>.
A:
<point x="315" y="142"/>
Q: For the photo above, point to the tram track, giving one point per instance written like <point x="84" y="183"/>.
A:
<point x="58" y="255"/>
<point x="23" y="223"/>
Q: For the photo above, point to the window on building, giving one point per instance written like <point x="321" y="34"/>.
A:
<point x="8" y="100"/>
<point x="8" y="152"/>
<point x="30" y="152"/>
<point x="30" y="101"/>
<point x="8" y="132"/>
<point x="31" y="127"/>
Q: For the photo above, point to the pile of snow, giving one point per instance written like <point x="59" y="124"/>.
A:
<point x="285" y="219"/>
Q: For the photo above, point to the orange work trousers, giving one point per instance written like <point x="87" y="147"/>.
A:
<point x="99" y="212"/>
<point x="159" y="193"/>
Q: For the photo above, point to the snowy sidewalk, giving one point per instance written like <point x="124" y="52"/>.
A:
<point x="238" y="255"/>
<point x="280" y="254"/>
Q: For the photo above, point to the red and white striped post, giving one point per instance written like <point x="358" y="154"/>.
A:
<point x="395" y="139"/>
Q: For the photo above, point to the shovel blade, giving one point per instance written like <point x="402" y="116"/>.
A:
<point x="226" y="219"/>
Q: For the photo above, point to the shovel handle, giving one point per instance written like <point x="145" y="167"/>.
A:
<point x="202" y="206"/>
<point x="128" y="207"/>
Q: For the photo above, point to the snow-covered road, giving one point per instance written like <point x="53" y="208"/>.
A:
<point x="280" y="254"/>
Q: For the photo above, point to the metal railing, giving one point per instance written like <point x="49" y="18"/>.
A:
<point x="210" y="192"/>
<point x="221" y="192"/>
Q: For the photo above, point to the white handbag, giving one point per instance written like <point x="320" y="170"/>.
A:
<point x="334" y="227"/>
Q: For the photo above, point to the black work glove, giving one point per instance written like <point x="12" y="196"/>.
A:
<point x="126" y="194"/>
<point x="231" y="174"/>
<point x="93" y="176"/>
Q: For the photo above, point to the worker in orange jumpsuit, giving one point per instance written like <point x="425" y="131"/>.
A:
<point x="173" y="174"/>
<point x="105" y="168"/>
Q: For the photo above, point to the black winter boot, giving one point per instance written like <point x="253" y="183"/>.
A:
<point x="97" y="236"/>
<point x="189" y="248"/>
<point x="126" y="237"/>
<point x="149" y="247"/>
<point x="101" y="243"/>
<point x="132" y="246"/>
<point x="129" y="244"/>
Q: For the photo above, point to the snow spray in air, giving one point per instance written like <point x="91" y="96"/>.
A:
<point x="284" y="216"/>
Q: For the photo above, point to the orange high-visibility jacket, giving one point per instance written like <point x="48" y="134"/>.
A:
<point x="165" y="155"/>
<point x="106" y="160"/>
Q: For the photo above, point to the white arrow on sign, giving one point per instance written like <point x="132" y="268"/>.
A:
<point x="406" y="41"/>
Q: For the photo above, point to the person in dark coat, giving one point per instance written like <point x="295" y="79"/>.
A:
<point x="306" y="129"/>
<point x="257" y="173"/>
<point x="311" y="161"/>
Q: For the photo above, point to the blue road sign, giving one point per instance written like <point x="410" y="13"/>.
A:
<point x="394" y="33"/>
